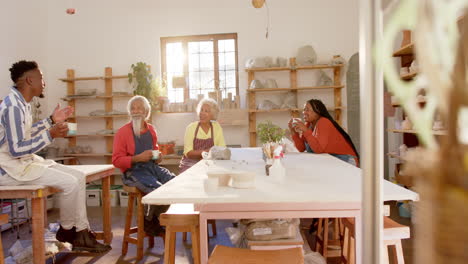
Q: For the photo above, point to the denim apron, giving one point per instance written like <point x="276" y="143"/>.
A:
<point x="344" y="157"/>
<point x="146" y="176"/>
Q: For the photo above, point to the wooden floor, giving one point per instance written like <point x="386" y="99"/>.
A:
<point x="155" y="255"/>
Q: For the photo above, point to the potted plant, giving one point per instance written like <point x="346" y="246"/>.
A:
<point x="146" y="85"/>
<point x="270" y="136"/>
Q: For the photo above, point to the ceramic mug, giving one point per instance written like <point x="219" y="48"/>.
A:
<point x="72" y="127"/>
<point x="156" y="154"/>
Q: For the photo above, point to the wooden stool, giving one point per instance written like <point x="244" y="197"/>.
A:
<point x="322" y="240"/>
<point x="180" y="218"/>
<point x="133" y="193"/>
<point x="392" y="235"/>
<point x="211" y="222"/>
<point x="3" y="220"/>
<point x="229" y="255"/>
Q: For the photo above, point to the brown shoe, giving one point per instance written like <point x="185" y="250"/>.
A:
<point x="64" y="235"/>
<point x="86" y="241"/>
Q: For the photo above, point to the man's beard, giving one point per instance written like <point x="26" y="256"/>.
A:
<point x="136" y="124"/>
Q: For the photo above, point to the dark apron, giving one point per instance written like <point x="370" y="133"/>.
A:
<point x="198" y="144"/>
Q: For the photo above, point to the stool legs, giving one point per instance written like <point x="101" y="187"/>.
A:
<point x="128" y="223"/>
<point x="195" y="244"/>
<point x="169" y="245"/>
<point x="141" y="230"/>
<point x="213" y="230"/>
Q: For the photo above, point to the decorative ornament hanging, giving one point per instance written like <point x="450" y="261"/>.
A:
<point x="258" y="3"/>
<point x="70" y="10"/>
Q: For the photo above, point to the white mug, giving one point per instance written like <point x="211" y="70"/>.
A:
<point x="156" y="154"/>
<point x="72" y="127"/>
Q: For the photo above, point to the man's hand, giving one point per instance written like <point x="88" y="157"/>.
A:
<point x="145" y="156"/>
<point x="60" y="115"/>
<point x="59" y="130"/>
<point x="160" y="158"/>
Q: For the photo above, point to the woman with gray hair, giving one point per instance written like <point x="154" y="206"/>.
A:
<point x="201" y="135"/>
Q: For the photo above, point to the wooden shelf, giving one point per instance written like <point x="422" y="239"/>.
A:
<point x="90" y="135"/>
<point x="434" y="132"/>
<point x="288" y="109"/>
<point x="319" y="66"/>
<point x="93" y="78"/>
<point x="77" y="97"/>
<point x="308" y="67"/>
<point x="89" y="155"/>
<point x="293" y="89"/>
<point x="103" y="116"/>
<point x="109" y="96"/>
<point x="405" y="50"/>
<point x="273" y="110"/>
<point x="191" y="112"/>
<point x="420" y="101"/>
<point x="409" y="76"/>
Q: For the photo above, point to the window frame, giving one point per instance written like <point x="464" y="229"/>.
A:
<point x="208" y="37"/>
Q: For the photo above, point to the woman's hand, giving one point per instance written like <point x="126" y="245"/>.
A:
<point x="145" y="156"/>
<point x="300" y="126"/>
<point x="290" y="125"/>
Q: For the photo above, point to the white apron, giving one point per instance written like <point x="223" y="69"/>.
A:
<point x="28" y="167"/>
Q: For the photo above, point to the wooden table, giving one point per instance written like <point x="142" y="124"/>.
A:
<point x="39" y="193"/>
<point x="316" y="186"/>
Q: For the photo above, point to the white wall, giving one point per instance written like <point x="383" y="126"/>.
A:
<point x="23" y="28"/>
<point x="117" y="33"/>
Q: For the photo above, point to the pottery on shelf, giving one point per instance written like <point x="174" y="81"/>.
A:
<point x="406" y="124"/>
<point x="337" y="59"/>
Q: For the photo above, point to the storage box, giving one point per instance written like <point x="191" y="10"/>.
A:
<point x="114" y="194"/>
<point x="123" y="197"/>
<point x="93" y="195"/>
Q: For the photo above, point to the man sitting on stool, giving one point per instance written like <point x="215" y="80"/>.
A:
<point x="20" y="139"/>
<point x="133" y="155"/>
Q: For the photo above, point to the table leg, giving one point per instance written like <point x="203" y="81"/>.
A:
<point x="203" y="239"/>
<point x="37" y="209"/>
<point x="358" y="234"/>
<point x="106" y="210"/>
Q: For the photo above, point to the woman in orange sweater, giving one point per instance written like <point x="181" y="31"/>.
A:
<point x="321" y="134"/>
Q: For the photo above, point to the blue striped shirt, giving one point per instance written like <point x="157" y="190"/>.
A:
<point x="13" y="111"/>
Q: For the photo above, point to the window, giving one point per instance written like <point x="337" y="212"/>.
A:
<point x="200" y="65"/>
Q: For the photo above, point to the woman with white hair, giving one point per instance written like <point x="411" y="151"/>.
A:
<point x="201" y="135"/>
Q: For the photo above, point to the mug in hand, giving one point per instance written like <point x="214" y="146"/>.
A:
<point x="72" y="127"/>
<point x="156" y="154"/>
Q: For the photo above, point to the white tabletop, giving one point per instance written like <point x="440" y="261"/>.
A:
<point x="91" y="169"/>
<point x="309" y="178"/>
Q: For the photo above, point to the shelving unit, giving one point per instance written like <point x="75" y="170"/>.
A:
<point x="108" y="98"/>
<point x="434" y="132"/>
<point x="293" y="69"/>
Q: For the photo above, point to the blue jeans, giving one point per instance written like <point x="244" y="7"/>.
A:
<point x="344" y="157"/>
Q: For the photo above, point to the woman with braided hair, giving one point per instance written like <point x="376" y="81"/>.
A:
<point x="321" y="134"/>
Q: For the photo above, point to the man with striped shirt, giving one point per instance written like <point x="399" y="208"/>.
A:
<point x="20" y="139"/>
